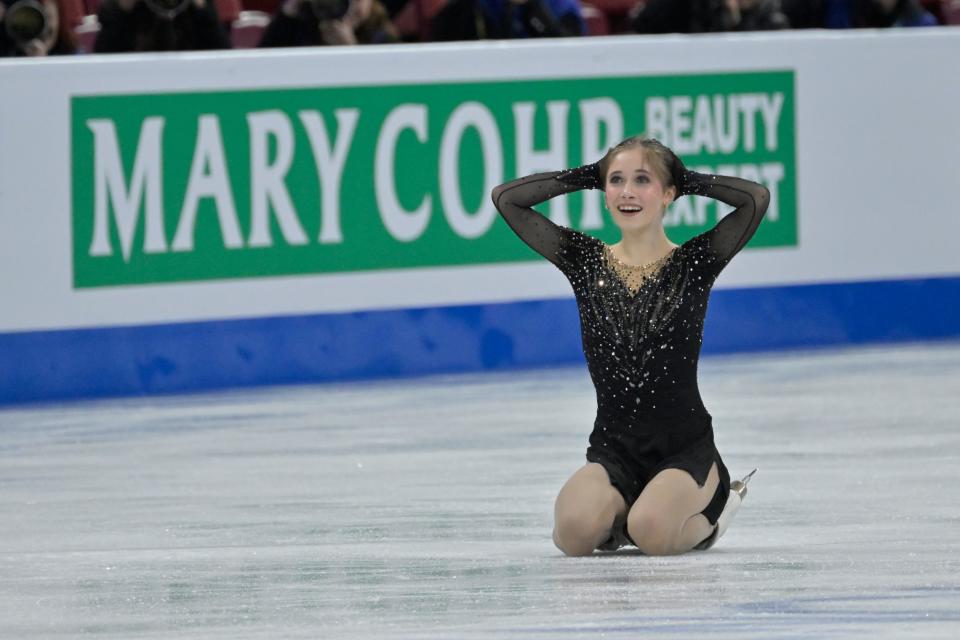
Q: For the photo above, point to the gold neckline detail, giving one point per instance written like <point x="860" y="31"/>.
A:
<point x="634" y="275"/>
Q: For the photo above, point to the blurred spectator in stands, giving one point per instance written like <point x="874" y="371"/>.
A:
<point x="394" y="7"/>
<point x="663" y="16"/>
<point x="698" y="16"/>
<point x="504" y="19"/>
<point x="746" y="15"/>
<point x="846" y="14"/>
<point x="891" y="13"/>
<point x="35" y="28"/>
<point x="805" y="14"/>
<point x="301" y="23"/>
<point x="159" y="25"/>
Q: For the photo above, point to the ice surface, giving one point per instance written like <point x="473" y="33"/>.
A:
<point x="422" y="509"/>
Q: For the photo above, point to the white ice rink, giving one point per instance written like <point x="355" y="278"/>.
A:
<point x="422" y="509"/>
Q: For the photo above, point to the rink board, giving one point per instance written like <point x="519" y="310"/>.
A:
<point x="217" y="273"/>
<point x="379" y="344"/>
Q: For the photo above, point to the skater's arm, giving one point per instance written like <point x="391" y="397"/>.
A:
<point x="749" y="199"/>
<point x="514" y="200"/>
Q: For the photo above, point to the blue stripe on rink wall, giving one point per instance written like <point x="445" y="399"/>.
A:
<point x="84" y="363"/>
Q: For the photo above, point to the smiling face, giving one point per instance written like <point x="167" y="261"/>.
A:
<point x="636" y="193"/>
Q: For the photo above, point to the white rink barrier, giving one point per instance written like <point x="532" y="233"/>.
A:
<point x="202" y="220"/>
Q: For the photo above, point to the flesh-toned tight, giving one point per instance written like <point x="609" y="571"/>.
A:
<point x="666" y="519"/>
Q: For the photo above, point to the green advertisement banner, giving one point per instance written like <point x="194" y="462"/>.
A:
<point x="199" y="186"/>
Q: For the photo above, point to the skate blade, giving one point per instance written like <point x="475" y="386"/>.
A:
<point x="740" y="486"/>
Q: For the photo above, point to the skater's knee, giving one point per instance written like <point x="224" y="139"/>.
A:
<point x="578" y="534"/>
<point x="654" y="533"/>
<point x="572" y="545"/>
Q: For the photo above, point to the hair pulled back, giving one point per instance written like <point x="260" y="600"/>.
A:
<point x="661" y="158"/>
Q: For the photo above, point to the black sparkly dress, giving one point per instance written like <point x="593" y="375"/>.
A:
<point x="642" y="344"/>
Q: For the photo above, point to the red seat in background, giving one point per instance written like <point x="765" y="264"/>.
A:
<point x="597" y="23"/>
<point x="72" y="11"/>
<point x="228" y="10"/>
<point x="950" y="11"/>
<point x="413" y="21"/>
<point x="268" y="7"/>
<point x="615" y="7"/>
<point x="86" y="33"/>
<point x="617" y="13"/>
<point x="248" y="29"/>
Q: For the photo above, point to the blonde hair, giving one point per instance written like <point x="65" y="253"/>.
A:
<point x="661" y="157"/>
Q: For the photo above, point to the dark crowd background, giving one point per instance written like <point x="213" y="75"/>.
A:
<point x="63" y="27"/>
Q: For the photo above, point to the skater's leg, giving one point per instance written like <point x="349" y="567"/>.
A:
<point x="586" y="511"/>
<point x="667" y="518"/>
<point x="723" y="508"/>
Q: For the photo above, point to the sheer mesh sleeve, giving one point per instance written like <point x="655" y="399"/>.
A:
<point x="514" y="201"/>
<point x="734" y="231"/>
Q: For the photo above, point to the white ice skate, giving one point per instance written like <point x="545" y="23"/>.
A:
<point x="738" y="491"/>
<point x="618" y="539"/>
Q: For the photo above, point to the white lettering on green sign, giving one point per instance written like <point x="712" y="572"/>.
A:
<point x="196" y="186"/>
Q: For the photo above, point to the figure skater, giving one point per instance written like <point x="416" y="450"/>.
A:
<point x="653" y="476"/>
